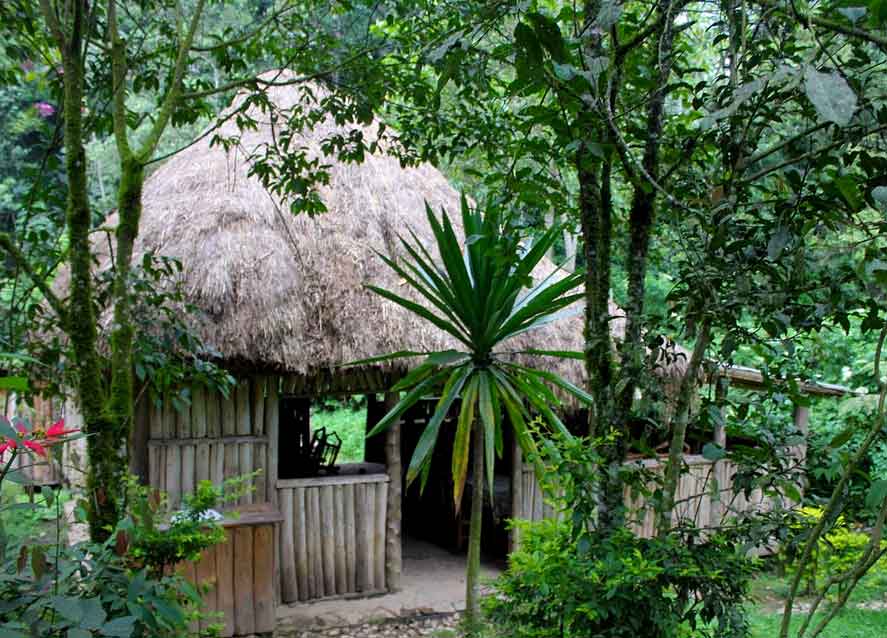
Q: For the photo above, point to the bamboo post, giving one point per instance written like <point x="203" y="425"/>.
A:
<point x="394" y="514"/>
<point x="289" y="581"/>
<point x="517" y="484"/>
<point x="328" y="546"/>
<point x="300" y="504"/>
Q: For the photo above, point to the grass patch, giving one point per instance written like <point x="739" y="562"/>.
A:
<point x="850" y="623"/>
<point x="350" y="425"/>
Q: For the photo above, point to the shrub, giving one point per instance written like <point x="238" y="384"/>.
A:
<point x="619" y="585"/>
<point x="837" y="551"/>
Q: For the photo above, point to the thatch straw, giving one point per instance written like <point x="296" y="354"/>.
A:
<point x="286" y="292"/>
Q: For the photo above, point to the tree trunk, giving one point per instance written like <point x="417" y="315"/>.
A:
<point x="80" y="318"/>
<point x="472" y="595"/>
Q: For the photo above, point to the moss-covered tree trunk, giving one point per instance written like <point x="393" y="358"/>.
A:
<point x="472" y="574"/>
<point x="79" y="320"/>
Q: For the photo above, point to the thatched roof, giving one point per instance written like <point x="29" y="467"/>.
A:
<point x="285" y="292"/>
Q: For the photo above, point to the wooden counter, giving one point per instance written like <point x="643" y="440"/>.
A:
<point x="241" y="573"/>
<point x="332" y="540"/>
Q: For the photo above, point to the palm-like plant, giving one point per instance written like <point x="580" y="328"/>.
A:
<point x="482" y="295"/>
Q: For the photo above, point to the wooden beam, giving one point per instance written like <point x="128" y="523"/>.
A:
<point x="394" y="516"/>
<point x="517" y="494"/>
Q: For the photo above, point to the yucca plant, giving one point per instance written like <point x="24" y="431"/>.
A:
<point x="482" y="294"/>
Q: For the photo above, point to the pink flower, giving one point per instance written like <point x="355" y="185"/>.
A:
<point x="45" y="109"/>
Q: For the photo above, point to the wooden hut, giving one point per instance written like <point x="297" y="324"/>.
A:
<point x="281" y="298"/>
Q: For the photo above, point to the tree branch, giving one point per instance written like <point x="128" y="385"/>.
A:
<point x="118" y="79"/>
<point x="40" y="282"/>
<point x="174" y="91"/>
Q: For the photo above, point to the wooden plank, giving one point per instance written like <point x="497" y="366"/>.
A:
<point x="229" y="412"/>
<point x="155" y="467"/>
<point x="202" y="462"/>
<point x="138" y="440"/>
<point x="244" y="607"/>
<point x="315" y="559"/>
<point x="206" y="578"/>
<point x="301" y="541"/>
<point x="172" y="485"/>
<point x="169" y="418"/>
<point x="243" y="397"/>
<point x="198" y="412"/>
<point x="381" y="506"/>
<point x="349" y="497"/>
<point x="260" y="464"/>
<point x="225" y="582"/>
<point x="245" y="451"/>
<point x="188" y="470"/>
<point x="272" y="411"/>
<point x="155" y="416"/>
<point x="183" y="421"/>
<point x="517" y="484"/>
<point x="232" y="462"/>
<point x="224" y="439"/>
<point x="393" y="520"/>
<point x="339" y="538"/>
<point x="328" y="545"/>
<point x="263" y="578"/>
<point x="213" y="400"/>
<point x="289" y="586"/>
<point x="217" y="469"/>
<point x="257" y="405"/>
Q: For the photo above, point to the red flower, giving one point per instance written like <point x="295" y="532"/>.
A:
<point x="35" y="447"/>
<point x="7" y="445"/>
<point x="57" y="430"/>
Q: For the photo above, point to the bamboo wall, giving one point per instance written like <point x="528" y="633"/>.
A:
<point x="333" y="536"/>
<point x="704" y="496"/>
<point x="213" y="439"/>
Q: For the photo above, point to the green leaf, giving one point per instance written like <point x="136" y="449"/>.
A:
<point x="462" y="441"/>
<point x="119" y="627"/>
<point x="830" y="94"/>
<point x="6" y="429"/>
<point x="69" y="607"/>
<point x="549" y="35"/>
<point x="76" y="632"/>
<point x="93" y="615"/>
<point x="713" y="452"/>
<point x="407" y="402"/>
<point x="428" y="439"/>
<point x="877" y="493"/>
<point x="778" y="241"/>
<point x="841" y="438"/>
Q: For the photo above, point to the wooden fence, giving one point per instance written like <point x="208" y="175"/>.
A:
<point x="333" y="536"/>
<point x="704" y="496"/>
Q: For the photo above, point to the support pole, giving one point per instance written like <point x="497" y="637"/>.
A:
<point x="393" y="522"/>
